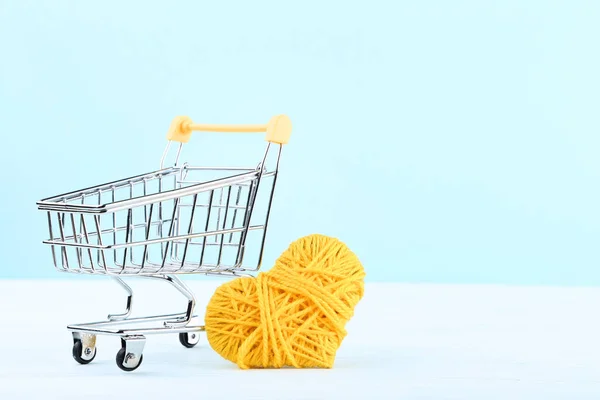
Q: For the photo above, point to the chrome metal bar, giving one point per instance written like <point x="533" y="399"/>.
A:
<point x="130" y="225"/>
<point x="210" y="200"/>
<point x="162" y="195"/>
<point x="131" y="321"/>
<point x="128" y="237"/>
<point x="189" y="268"/>
<point x="182" y="319"/>
<point x="183" y="289"/>
<point x="219" y="213"/>
<point x="114" y="220"/>
<point x="175" y="246"/>
<point x="197" y="182"/>
<point x="244" y="232"/>
<point x="83" y="234"/>
<point x="87" y="240"/>
<point x="262" y="245"/>
<point x="75" y="235"/>
<point x="145" y="207"/>
<point x="224" y="224"/>
<point x="235" y="244"/>
<point x="99" y="253"/>
<point x="238" y="207"/>
<point x="105" y="187"/>
<point x="154" y="241"/>
<point x="186" y="191"/>
<point x="250" y="207"/>
<point x="93" y="329"/>
<point x="140" y="331"/>
<point x="178" y="153"/>
<point x="235" y="211"/>
<point x="190" y="230"/>
<point x="52" y="238"/>
<point x="176" y="215"/>
<point x="160" y="212"/>
<point x="119" y="228"/>
<point x="100" y="250"/>
<point x="170" y="238"/>
<point x="201" y="168"/>
<point x="149" y="224"/>
<point x="122" y="316"/>
<point x="65" y="258"/>
<point x="165" y="152"/>
<point x="146" y="220"/>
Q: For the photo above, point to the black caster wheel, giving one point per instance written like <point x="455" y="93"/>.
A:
<point x="83" y="355"/>
<point x="128" y="361"/>
<point x="190" y="339"/>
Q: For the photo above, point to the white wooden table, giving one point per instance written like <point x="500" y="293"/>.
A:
<point x="405" y="342"/>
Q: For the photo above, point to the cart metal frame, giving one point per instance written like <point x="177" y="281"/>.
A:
<point x="159" y="225"/>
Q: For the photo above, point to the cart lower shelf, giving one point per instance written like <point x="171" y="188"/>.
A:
<point x="133" y="340"/>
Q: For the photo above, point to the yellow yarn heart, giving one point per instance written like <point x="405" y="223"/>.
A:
<point x="295" y="314"/>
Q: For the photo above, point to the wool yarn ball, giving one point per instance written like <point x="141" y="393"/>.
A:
<point x="293" y="315"/>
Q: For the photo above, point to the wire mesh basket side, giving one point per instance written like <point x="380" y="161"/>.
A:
<point x="201" y="232"/>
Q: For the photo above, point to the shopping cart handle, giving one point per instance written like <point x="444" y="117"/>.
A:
<point x="278" y="129"/>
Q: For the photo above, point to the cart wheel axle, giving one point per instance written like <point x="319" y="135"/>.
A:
<point x="84" y="348"/>
<point x="190" y="339"/>
<point x="81" y="355"/>
<point x="130" y="357"/>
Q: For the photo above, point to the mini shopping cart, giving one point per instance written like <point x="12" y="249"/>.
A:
<point x="176" y="220"/>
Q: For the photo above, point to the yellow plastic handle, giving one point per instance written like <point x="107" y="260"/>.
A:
<point x="279" y="129"/>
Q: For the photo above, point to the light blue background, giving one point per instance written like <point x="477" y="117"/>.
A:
<point x="443" y="141"/>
